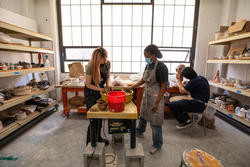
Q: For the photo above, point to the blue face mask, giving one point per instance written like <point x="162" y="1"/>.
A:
<point x="148" y="60"/>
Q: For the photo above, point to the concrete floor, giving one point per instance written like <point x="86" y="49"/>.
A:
<point x="59" y="142"/>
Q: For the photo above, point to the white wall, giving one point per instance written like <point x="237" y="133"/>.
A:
<point x="208" y="23"/>
<point x="21" y="7"/>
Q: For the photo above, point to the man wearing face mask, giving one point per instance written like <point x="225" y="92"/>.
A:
<point x="155" y="80"/>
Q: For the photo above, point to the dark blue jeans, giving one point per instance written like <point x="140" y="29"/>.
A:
<point x="180" y="109"/>
<point x="156" y="132"/>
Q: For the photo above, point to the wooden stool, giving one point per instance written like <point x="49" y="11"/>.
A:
<point x="134" y="155"/>
<point x="94" y="156"/>
<point x="195" y="118"/>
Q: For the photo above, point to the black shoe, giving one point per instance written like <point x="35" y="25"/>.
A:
<point x="184" y="125"/>
<point x="104" y="141"/>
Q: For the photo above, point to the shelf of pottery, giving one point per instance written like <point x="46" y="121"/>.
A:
<point x="236" y="37"/>
<point x="20" y="105"/>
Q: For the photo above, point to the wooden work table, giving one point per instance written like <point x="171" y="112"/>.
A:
<point x="79" y="87"/>
<point x="130" y="112"/>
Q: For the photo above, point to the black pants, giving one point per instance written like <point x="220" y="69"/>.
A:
<point x="90" y="99"/>
<point x="180" y="109"/>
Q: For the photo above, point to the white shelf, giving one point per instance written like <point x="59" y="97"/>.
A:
<point x="243" y="121"/>
<point x="229" y="40"/>
<point x="24" y="71"/>
<point x="22" y="33"/>
<point x="20" y="99"/>
<point x="18" y="124"/>
<point x="230" y="88"/>
<point x="231" y="61"/>
<point x="23" y="48"/>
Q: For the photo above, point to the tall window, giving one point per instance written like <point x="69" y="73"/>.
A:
<point x="125" y="28"/>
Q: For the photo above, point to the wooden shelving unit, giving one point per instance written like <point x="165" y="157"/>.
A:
<point x="18" y="124"/>
<point x="230" y="88"/>
<point x="11" y="73"/>
<point x="223" y="61"/>
<point x="23" y="48"/>
<point x="231" y="115"/>
<point x="229" y="40"/>
<point x="22" y="33"/>
<point x="20" y="99"/>
<point x="243" y="38"/>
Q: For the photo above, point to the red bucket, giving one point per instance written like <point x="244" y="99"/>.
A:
<point x="116" y="101"/>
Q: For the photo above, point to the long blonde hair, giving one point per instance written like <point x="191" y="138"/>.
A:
<point x="97" y="55"/>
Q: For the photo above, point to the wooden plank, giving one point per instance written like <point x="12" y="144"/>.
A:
<point x="23" y="48"/>
<point x="230" y="88"/>
<point x="231" y="115"/>
<point x="22" y="33"/>
<point x="20" y="99"/>
<point x="18" y="124"/>
<point x="231" y="61"/>
<point x="229" y="40"/>
<point x="130" y="112"/>
<point x="24" y="71"/>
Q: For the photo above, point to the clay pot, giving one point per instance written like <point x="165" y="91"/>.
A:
<point x="230" y="108"/>
<point x="102" y="106"/>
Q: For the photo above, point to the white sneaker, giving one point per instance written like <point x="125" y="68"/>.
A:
<point x="153" y="150"/>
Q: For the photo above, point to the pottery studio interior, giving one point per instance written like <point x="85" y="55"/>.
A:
<point x="124" y="83"/>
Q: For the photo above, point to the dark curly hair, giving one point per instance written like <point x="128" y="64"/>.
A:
<point x="153" y="49"/>
<point x="189" y="73"/>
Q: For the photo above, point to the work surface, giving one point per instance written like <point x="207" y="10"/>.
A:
<point x="130" y="112"/>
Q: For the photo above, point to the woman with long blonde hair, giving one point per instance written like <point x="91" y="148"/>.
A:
<point x="97" y="80"/>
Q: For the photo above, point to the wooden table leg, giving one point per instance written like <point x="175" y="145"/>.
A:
<point x="93" y="132"/>
<point x="133" y="134"/>
<point x="64" y="100"/>
<point x="138" y="99"/>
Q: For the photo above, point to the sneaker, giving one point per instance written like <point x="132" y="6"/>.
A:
<point x="153" y="150"/>
<point x="184" y="125"/>
<point x="139" y="135"/>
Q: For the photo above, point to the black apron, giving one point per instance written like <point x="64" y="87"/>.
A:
<point x="91" y="96"/>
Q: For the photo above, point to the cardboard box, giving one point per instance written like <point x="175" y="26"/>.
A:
<point x="76" y="70"/>
<point x="237" y="49"/>
<point x="223" y="28"/>
<point x="239" y="27"/>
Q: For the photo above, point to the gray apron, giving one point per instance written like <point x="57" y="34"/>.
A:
<point x="150" y="94"/>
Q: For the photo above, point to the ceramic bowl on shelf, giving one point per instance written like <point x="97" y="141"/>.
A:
<point x="21" y="115"/>
<point x="18" y="67"/>
<point x="4" y="68"/>
<point x="22" y="90"/>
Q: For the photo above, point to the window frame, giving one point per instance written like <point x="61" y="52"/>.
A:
<point x="62" y="48"/>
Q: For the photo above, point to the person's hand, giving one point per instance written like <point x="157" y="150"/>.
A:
<point x="179" y="77"/>
<point x="155" y="108"/>
<point x="105" y="90"/>
<point x="109" y="87"/>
